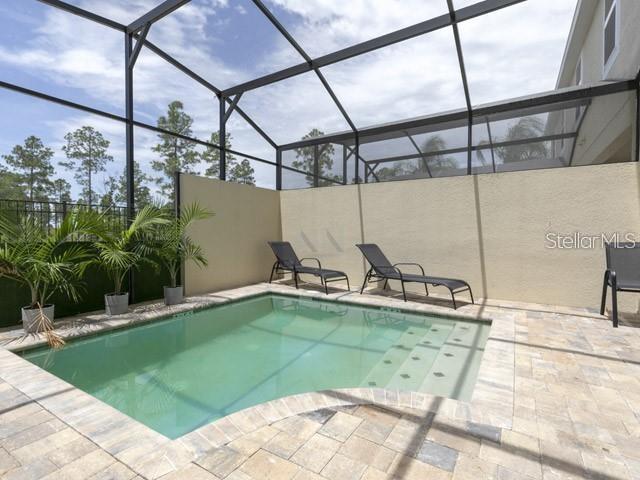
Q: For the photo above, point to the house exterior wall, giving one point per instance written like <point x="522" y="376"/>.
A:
<point x="607" y="131"/>
<point x="235" y="239"/>
<point x="490" y="230"/>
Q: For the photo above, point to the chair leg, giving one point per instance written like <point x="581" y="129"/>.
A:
<point x="404" y="293"/>
<point x="295" y="278"/>
<point x="326" y="290"/>
<point x="386" y="283"/>
<point x="453" y="298"/>
<point x="471" y="294"/>
<point x="366" y="279"/>
<point x="614" y="299"/>
<point x="348" y="286"/>
<point x="273" y="270"/>
<point x="603" y="303"/>
<point x="426" y="289"/>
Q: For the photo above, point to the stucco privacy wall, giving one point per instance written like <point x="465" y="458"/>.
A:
<point x="488" y="229"/>
<point x="235" y="239"/>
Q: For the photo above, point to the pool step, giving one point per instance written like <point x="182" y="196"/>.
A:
<point x="410" y="375"/>
<point x="453" y="372"/>
<point x="398" y="368"/>
<point x="384" y="370"/>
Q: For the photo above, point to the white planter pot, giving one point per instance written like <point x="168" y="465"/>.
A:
<point x="116" y="304"/>
<point x="173" y="295"/>
<point x="30" y="318"/>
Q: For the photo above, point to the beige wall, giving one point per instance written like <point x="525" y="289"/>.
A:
<point x="488" y="229"/>
<point x="235" y="239"/>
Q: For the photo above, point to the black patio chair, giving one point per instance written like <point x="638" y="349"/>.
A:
<point x="288" y="261"/>
<point x="622" y="273"/>
<point x="382" y="269"/>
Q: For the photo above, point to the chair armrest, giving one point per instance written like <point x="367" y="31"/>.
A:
<point x="394" y="268"/>
<point x="314" y="259"/>
<point x="414" y="264"/>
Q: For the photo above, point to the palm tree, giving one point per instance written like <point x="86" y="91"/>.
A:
<point x="525" y="128"/>
<point x="438" y="162"/>
<point x="174" y="246"/>
<point x="122" y="250"/>
<point x="46" y="262"/>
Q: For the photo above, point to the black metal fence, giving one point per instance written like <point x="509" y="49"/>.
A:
<point x="49" y="215"/>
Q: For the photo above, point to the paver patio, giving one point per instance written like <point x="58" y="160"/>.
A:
<point x="558" y="396"/>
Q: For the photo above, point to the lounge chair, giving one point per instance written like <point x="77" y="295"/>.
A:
<point x="288" y="261"/>
<point x="622" y="273"/>
<point x="382" y="269"/>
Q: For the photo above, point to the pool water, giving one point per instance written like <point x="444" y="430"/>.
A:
<point x="178" y="374"/>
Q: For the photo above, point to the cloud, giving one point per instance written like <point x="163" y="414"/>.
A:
<point x="517" y="50"/>
<point x="417" y="77"/>
<point x="508" y="53"/>
<point x="71" y="52"/>
<point x="323" y="26"/>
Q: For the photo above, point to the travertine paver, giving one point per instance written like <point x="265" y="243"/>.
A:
<point x="368" y="452"/>
<point x="340" y="426"/>
<point x="191" y="472"/>
<point x="341" y="466"/>
<point x="438" y="455"/>
<point x="557" y="397"/>
<point x="265" y="465"/>
<point x="222" y="462"/>
<point x="316" y="452"/>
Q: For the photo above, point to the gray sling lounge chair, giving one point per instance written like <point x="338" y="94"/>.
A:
<point x="288" y="261"/>
<point x="382" y="269"/>
<point x="622" y="273"/>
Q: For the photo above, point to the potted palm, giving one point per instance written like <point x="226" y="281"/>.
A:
<point x="123" y="250"/>
<point x="174" y="247"/>
<point x="46" y="262"/>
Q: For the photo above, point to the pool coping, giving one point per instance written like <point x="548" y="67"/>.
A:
<point x="152" y="455"/>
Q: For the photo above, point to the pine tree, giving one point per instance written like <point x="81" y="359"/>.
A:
<point x="176" y="154"/>
<point x="242" y="173"/>
<point x="61" y="190"/>
<point x="211" y="156"/>
<point x="86" y="150"/>
<point x="109" y="198"/>
<point x="236" y="172"/>
<point x="32" y="165"/>
<point x="305" y="160"/>
<point x="9" y="185"/>
<point x="141" y="193"/>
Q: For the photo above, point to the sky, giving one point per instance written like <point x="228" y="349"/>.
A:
<point x="509" y="53"/>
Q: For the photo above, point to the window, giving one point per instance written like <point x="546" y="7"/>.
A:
<point x="611" y="31"/>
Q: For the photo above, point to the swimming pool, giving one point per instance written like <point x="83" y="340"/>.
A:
<point x="177" y="374"/>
